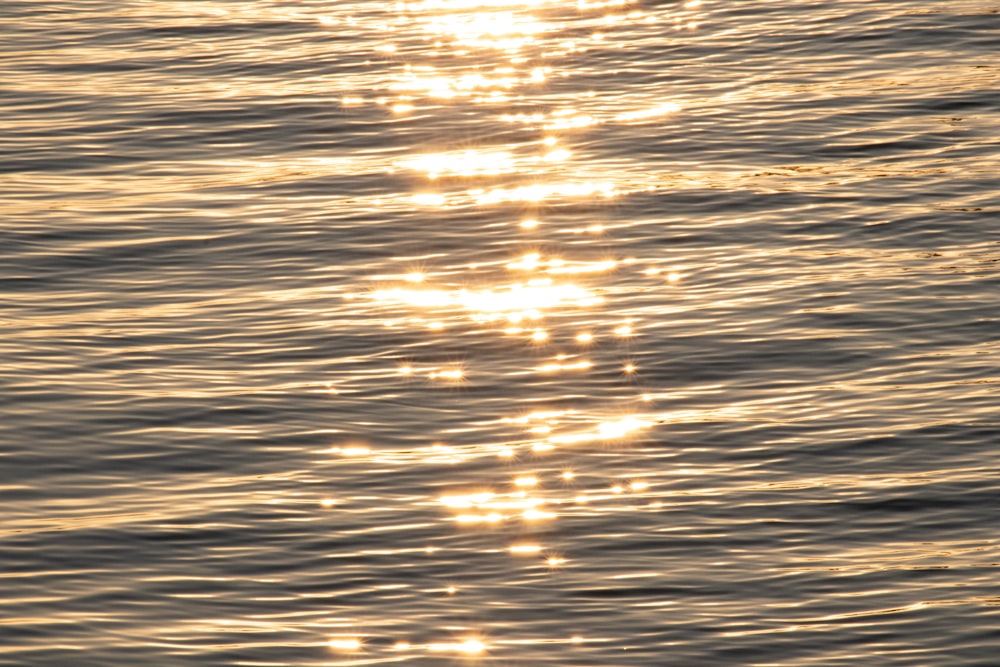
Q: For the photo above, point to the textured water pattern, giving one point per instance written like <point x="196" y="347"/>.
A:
<point x="498" y="332"/>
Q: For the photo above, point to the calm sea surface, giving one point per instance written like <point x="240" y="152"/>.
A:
<point x="468" y="332"/>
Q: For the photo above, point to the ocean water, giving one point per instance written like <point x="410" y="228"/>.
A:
<point x="499" y="332"/>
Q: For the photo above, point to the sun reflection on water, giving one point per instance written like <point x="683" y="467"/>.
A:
<point x="463" y="163"/>
<point x="345" y="644"/>
<point x="488" y="30"/>
<point x="427" y="81"/>
<point x="513" y="303"/>
<point x="547" y="307"/>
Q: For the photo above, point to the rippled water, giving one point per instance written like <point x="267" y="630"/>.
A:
<point x="486" y="331"/>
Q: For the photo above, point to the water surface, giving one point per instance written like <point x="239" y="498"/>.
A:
<point x="487" y="331"/>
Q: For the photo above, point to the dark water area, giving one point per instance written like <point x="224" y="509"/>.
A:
<point x="500" y="332"/>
